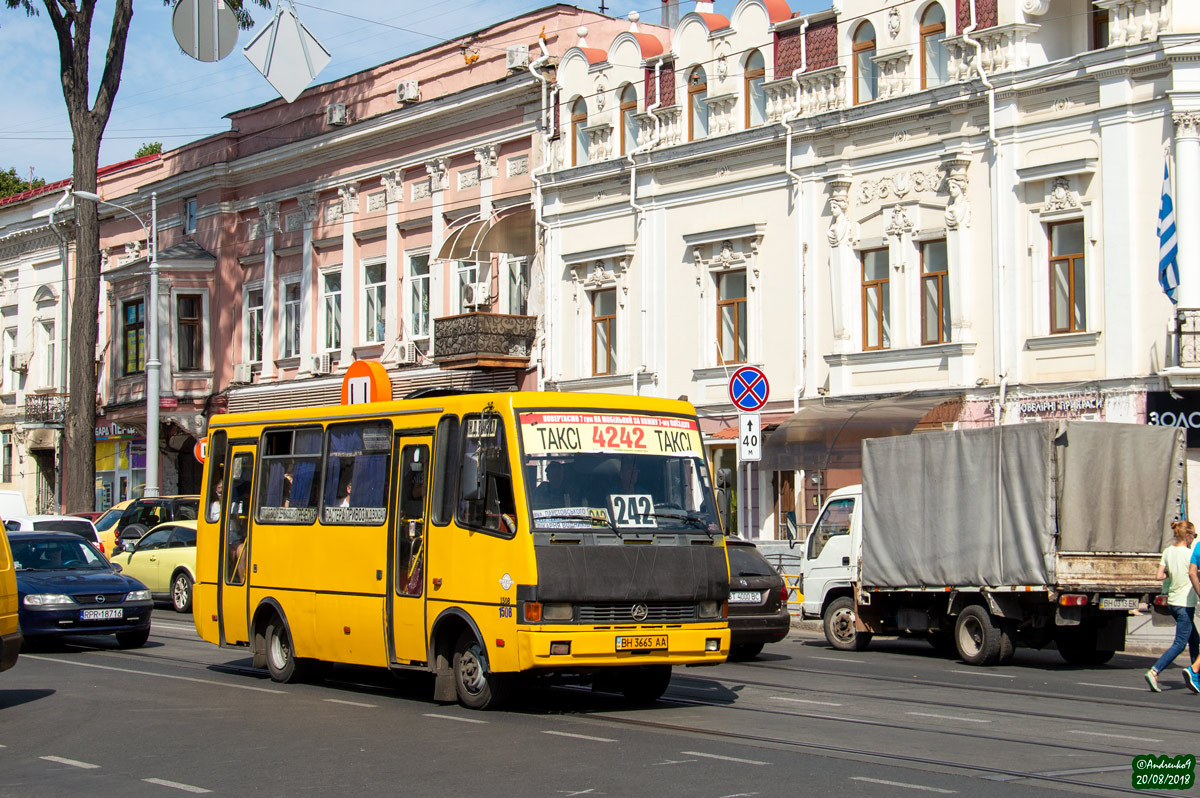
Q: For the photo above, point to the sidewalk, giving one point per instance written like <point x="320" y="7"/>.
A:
<point x="1142" y="637"/>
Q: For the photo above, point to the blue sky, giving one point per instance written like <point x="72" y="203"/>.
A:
<point x="167" y="96"/>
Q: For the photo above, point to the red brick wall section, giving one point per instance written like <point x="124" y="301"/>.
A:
<point x="820" y="43"/>
<point x="666" y="82"/>
<point x="787" y="52"/>
<point x="985" y="10"/>
<point x="651" y="91"/>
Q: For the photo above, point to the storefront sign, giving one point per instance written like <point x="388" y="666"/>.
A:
<point x="1163" y="410"/>
<point x="549" y="433"/>
<point x="110" y="432"/>
<point x="1071" y="405"/>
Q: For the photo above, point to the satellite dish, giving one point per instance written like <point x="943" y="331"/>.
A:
<point x="205" y="29"/>
<point x="286" y="54"/>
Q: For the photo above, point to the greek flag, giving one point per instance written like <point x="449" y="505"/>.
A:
<point x="1168" y="241"/>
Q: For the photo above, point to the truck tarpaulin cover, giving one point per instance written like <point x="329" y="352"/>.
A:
<point x="976" y="507"/>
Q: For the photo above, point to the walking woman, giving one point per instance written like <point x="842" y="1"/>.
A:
<point x="1181" y="598"/>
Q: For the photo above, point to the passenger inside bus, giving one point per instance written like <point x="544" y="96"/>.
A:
<point x="554" y="491"/>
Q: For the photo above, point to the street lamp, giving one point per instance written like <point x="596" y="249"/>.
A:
<point x="152" y="361"/>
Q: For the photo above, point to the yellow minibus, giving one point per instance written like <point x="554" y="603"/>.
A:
<point x="474" y="536"/>
<point x="10" y="629"/>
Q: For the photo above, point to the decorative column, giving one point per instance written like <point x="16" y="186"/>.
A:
<point x="439" y="180"/>
<point x="350" y="276"/>
<point x="486" y="156"/>
<point x="308" y="210"/>
<point x="270" y="219"/>
<point x="958" y="247"/>
<point x="393" y="185"/>
<point x="906" y="282"/>
<point x="842" y="264"/>
<point x="1187" y="205"/>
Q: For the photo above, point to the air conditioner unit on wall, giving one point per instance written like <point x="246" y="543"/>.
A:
<point x="322" y="364"/>
<point x="19" y="361"/>
<point x="407" y="353"/>
<point x="408" y="91"/>
<point x="243" y="372"/>
<point x="476" y="294"/>
<point x="516" y="56"/>
<point x="335" y="114"/>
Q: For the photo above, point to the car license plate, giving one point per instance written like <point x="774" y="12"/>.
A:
<point x="745" y="597"/>
<point x="1118" y="604"/>
<point x="641" y="642"/>
<point x="102" y="615"/>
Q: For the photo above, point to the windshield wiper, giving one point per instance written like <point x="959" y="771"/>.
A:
<point x="688" y="518"/>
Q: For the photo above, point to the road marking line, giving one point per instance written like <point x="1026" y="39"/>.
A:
<point x="350" y="703"/>
<point x="453" y="717"/>
<point x="805" y="701"/>
<point x="902" y="784"/>
<point x="581" y="736"/>
<point x="1111" y="686"/>
<point x="1114" y="736"/>
<point x="177" y="785"/>
<point x="725" y="758"/>
<point x="150" y="673"/>
<point x="840" y="659"/>
<point x="984" y="673"/>
<point x="947" y="717"/>
<point x="75" y="763"/>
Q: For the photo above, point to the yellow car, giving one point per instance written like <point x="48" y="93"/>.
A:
<point x="106" y="526"/>
<point x="164" y="560"/>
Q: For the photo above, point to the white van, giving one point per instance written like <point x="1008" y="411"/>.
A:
<point x="12" y="504"/>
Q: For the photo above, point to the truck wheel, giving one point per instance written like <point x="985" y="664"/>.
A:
<point x="979" y="639"/>
<point x="839" y="626"/>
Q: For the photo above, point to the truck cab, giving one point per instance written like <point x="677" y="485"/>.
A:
<point x="830" y="566"/>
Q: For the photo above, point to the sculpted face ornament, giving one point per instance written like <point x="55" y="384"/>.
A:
<point x="639" y="612"/>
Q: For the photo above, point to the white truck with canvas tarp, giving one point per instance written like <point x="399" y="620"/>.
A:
<point x="989" y="538"/>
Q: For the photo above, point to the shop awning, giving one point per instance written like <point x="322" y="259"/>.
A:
<point x="478" y="238"/>
<point x="828" y="433"/>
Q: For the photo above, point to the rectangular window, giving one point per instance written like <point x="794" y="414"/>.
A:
<point x="6" y="452"/>
<point x="187" y="320"/>
<point x="374" y="283"/>
<point x="418" y="281"/>
<point x="331" y="291"/>
<point x="468" y="273"/>
<point x="518" y="286"/>
<point x="289" y="346"/>
<point x="48" y="368"/>
<point x="134" y="326"/>
<point x="445" y="472"/>
<point x="935" y="293"/>
<point x="604" y="333"/>
<point x="731" y="317"/>
<point x="357" y="468"/>
<point x="1098" y="24"/>
<point x="10" y="349"/>
<point x="254" y="325"/>
<point x="877" y="333"/>
<point x="1068" y="311"/>
<point x="189" y="215"/>
<point x="486" y="499"/>
<point x="289" y="476"/>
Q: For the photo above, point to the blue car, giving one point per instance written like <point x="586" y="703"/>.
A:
<point x="65" y="586"/>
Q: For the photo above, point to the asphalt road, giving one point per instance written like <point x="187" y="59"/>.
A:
<point x="184" y="717"/>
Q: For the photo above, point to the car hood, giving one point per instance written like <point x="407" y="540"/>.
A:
<point x="75" y="581"/>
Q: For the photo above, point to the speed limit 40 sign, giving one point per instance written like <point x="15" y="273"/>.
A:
<point x="749" y="437"/>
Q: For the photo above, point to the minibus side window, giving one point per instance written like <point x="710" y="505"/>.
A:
<point x="213" y="499"/>
<point x="486" y="498"/>
<point x="357" y="465"/>
<point x="445" y="470"/>
<point x="290" y="474"/>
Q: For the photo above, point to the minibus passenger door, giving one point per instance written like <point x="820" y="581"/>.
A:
<point x="406" y="594"/>
<point x="235" y="547"/>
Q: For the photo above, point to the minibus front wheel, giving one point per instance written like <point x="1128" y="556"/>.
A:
<point x="477" y="686"/>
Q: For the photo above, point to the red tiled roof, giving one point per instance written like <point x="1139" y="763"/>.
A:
<point x="57" y="184"/>
<point x="726" y="434"/>
<point x="777" y="10"/>
<point x="714" y="21"/>
<point x="594" y="55"/>
<point x="651" y="45"/>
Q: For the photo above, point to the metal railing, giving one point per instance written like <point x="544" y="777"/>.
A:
<point x="45" y="408"/>
<point x="1187" y="337"/>
<point x="788" y="566"/>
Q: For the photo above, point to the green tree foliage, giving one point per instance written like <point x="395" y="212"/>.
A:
<point x="71" y="26"/>
<point x="12" y="183"/>
<point x="149" y="148"/>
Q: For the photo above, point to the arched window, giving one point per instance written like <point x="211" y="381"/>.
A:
<point x="934" y="57"/>
<point x="697" y="95"/>
<point x="756" y="96"/>
<point x="628" y="121"/>
<point x="579" y="141"/>
<point x="866" y="72"/>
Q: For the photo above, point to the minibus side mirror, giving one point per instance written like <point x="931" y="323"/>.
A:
<point x="472" y="479"/>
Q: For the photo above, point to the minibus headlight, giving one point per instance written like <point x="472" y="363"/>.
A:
<point x="710" y="609"/>
<point x="47" y="599"/>
<point x="557" y="611"/>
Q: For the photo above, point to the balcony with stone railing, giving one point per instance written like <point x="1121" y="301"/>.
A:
<point x="483" y="340"/>
<point x="722" y="118"/>
<point x="1002" y="49"/>
<point x="893" y="73"/>
<point x="1134" y="21"/>
<point x="781" y="98"/>
<point x="48" y="409"/>
<point x="599" y="139"/>
<point x="823" y="90"/>
<point x="671" y="130"/>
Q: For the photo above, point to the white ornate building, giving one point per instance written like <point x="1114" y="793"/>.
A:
<point x="928" y="209"/>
